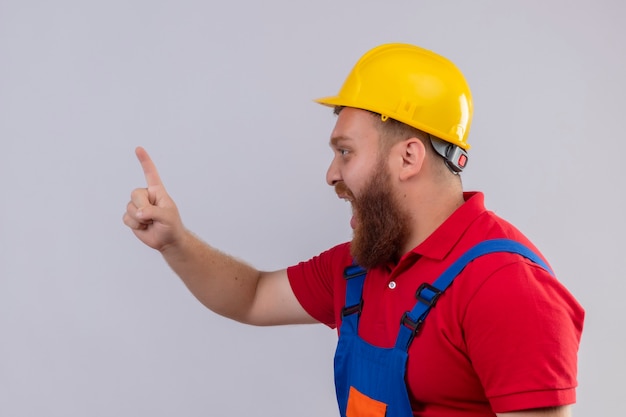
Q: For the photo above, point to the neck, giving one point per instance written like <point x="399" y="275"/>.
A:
<point x="429" y="209"/>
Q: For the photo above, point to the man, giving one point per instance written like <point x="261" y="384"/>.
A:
<point x="502" y="340"/>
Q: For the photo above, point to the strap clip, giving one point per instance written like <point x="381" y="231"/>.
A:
<point x="424" y="297"/>
<point x="353" y="271"/>
<point x="357" y="308"/>
<point x="413" y="325"/>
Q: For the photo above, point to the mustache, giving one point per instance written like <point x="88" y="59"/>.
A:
<point x="342" y="191"/>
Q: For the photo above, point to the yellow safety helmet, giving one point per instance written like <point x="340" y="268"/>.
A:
<point x="412" y="85"/>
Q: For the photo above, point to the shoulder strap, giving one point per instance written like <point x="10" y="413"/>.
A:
<point x="355" y="277"/>
<point x="427" y="294"/>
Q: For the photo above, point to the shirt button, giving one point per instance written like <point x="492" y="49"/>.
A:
<point x="392" y="285"/>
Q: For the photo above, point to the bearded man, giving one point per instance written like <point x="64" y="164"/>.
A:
<point x="442" y="307"/>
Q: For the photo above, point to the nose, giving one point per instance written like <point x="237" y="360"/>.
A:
<point x="332" y="175"/>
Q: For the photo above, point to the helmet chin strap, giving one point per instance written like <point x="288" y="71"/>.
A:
<point x="454" y="156"/>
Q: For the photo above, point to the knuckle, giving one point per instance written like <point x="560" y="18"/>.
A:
<point x="128" y="221"/>
<point x="138" y="193"/>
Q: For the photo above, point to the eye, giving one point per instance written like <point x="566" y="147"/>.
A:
<point x="342" y="152"/>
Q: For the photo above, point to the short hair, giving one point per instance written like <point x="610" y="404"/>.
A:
<point x="393" y="131"/>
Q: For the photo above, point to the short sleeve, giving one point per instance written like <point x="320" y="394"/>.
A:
<point x="314" y="283"/>
<point x="522" y="331"/>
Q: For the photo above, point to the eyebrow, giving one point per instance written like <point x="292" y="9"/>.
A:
<point x="335" y="140"/>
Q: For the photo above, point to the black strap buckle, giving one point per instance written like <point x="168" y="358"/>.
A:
<point x="357" y="308"/>
<point x="429" y="301"/>
<point x="413" y="325"/>
<point x="353" y="271"/>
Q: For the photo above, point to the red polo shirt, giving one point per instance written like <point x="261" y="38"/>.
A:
<point x="503" y="337"/>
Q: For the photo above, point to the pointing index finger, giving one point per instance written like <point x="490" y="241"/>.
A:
<point x="149" y="169"/>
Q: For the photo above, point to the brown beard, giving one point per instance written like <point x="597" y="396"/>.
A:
<point x="382" y="228"/>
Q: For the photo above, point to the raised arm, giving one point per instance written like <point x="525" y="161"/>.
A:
<point x="222" y="283"/>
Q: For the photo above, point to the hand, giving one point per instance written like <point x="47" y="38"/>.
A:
<point x="151" y="213"/>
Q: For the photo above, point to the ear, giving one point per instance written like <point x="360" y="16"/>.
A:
<point x="413" y="154"/>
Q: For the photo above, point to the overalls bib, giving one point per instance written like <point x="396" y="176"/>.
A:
<point x="369" y="380"/>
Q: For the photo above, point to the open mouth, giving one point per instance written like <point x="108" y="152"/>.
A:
<point x="344" y="193"/>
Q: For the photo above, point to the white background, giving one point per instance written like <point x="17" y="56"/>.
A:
<point x="92" y="323"/>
